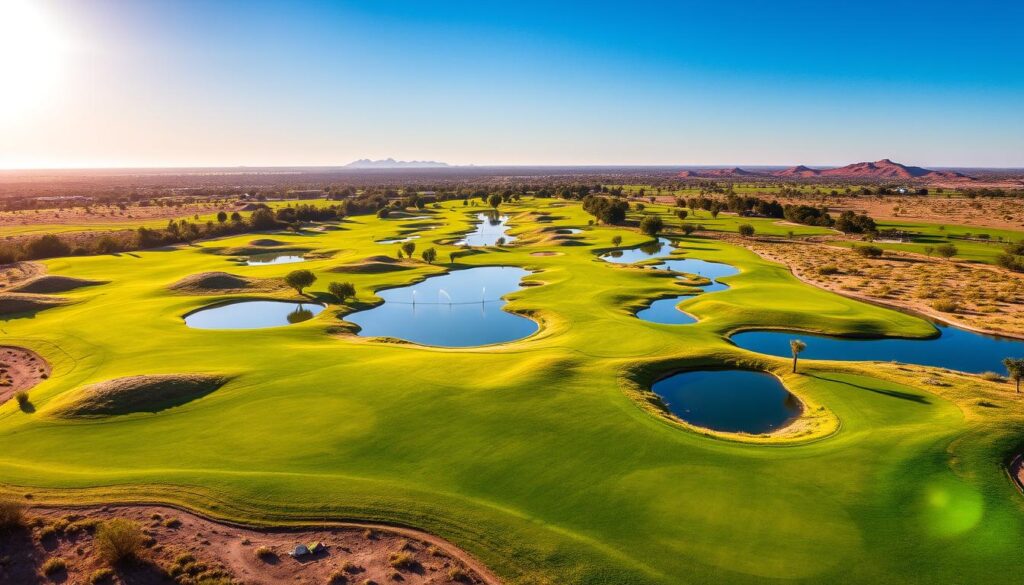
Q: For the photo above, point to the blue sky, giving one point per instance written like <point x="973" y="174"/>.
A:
<point x="260" y="83"/>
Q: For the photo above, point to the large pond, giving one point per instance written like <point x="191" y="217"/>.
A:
<point x="274" y="258"/>
<point x="252" y="315"/>
<point x="734" y="401"/>
<point x="654" y="249"/>
<point x="460" y="309"/>
<point x="956" y="349"/>
<point x="491" y="228"/>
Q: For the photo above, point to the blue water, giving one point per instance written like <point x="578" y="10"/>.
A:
<point x="460" y="309"/>
<point x="492" y="227"/>
<point x="664" y="311"/>
<point x="729" y="400"/>
<point x="655" y="249"/>
<point x="252" y="315"/>
<point x="274" y="258"/>
<point x="956" y="349"/>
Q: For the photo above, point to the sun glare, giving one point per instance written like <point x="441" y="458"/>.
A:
<point x="31" y="57"/>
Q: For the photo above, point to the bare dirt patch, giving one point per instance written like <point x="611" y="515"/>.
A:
<point x="135" y="394"/>
<point x="20" y="370"/>
<point x="219" y="283"/>
<point x="973" y="296"/>
<point x="185" y="548"/>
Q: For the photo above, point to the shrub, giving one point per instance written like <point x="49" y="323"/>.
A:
<point x="689" y="228"/>
<point x="946" y="305"/>
<point x="22" y="398"/>
<point x="54" y="565"/>
<point x="458" y="575"/>
<point x="118" y="540"/>
<point x="103" y="575"/>
<point x="402" y="560"/>
<point x="337" y="578"/>
<point x="12" y="515"/>
<point x="828" y="269"/>
<point x="172" y="523"/>
<point x="299" y="279"/>
<point x="349" y="567"/>
<point x="992" y="377"/>
<point x="651" y="225"/>
<point x="430" y="254"/>
<point x="264" y="553"/>
<point x="746" y="230"/>
<point x="946" y="250"/>
<point x="869" y="251"/>
<point x="342" y="290"/>
<point x="616" y="241"/>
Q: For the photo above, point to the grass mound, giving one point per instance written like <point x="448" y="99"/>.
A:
<point x="15" y="303"/>
<point x="373" y="265"/>
<point x="151" y="393"/>
<point x="221" y="283"/>
<point x="54" y="284"/>
<point x="266" y="242"/>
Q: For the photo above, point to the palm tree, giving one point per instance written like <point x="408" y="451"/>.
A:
<point x="1015" y="367"/>
<point x="796" y="346"/>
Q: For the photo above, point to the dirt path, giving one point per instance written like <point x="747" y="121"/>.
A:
<point x="20" y="369"/>
<point x="180" y="543"/>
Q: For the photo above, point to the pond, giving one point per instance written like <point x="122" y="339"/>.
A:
<point x="274" y="258"/>
<point x="733" y="401"/>
<point x="664" y="311"/>
<point x="956" y="349"/>
<point x="252" y="315"/>
<point x="653" y="249"/>
<point x="491" y="227"/>
<point x="398" y="240"/>
<point x="569" y="231"/>
<point x="461" y="309"/>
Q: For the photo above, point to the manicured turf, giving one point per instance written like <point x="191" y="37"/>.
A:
<point x="531" y="455"/>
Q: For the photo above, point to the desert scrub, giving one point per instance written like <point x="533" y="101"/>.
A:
<point x="12" y="515"/>
<point x="458" y="575"/>
<point x="337" y="578"/>
<point x="264" y="553"/>
<point x="946" y="305"/>
<point x="828" y="270"/>
<point x="99" y="576"/>
<point x="118" y="540"/>
<point x="54" y="565"/>
<point x="402" y="560"/>
<point x="22" y="399"/>
<point x="992" y="377"/>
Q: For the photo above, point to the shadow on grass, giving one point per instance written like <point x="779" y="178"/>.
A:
<point x="892" y="393"/>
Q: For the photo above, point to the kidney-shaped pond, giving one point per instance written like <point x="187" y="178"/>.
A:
<point x="461" y="309"/>
<point x="733" y="401"/>
<point x="491" y="228"/>
<point x="252" y="315"/>
<point x="956" y="349"/>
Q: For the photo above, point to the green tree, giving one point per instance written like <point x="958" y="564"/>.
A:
<point x="222" y="217"/>
<point x="746" y="230"/>
<point x="616" y="241"/>
<point x="689" y="228"/>
<point x="946" y="250"/>
<point x="299" y="279"/>
<point x="681" y="214"/>
<point x="1015" y="367"/>
<point x="429" y="255"/>
<point x="409" y="248"/>
<point x="342" y="290"/>
<point x="494" y="200"/>
<point x="796" y="347"/>
<point x="651" y="225"/>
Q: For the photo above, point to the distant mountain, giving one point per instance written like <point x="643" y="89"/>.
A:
<point x="717" y="173"/>
<point x="882" y="169"/>
<point x="390" y="163"/>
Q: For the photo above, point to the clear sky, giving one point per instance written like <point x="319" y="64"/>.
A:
<point x="181" y="83"/>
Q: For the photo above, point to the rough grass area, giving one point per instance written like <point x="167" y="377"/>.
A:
<point x="208" y="283"/>
<point x="54" y="284"/>
<point x="135" y="394"/>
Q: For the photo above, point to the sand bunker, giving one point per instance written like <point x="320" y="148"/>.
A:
<point x="203" y="550"/>
<point x="20" y="369"/>
<point x="151" y="393"/>
<point x="547" y="254"/>
<point x="54" y="284"/>
<point x="18" y="303"/>
<point x="373" y="265"/>
<point x="208" y="283"/>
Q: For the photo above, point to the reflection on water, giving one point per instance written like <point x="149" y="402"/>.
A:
<point x="491" y="227"/>
<point x="274" y="258"/>
<point x="653" y="249"/>
<point x="735" y="401"/>
<point x="252" y="315"/>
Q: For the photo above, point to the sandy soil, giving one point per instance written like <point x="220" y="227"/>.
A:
<point x="20" y="369"/>
<point x="12" y="275"/>
<point x="1003" y="213"/>
<point x="109" y="214"/>
<point x="987" y="299"/>
<point x="183" y="548"/>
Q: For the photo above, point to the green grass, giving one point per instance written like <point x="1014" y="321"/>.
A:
<point x="530" y="455"/>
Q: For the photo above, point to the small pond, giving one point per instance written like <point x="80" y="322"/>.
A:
<point x="252" y="315"/>
<point x="491" y="228"/>
<point x="568" y="231"/>
<point x="653" y="249"/>
<point x="956" y="349"/>
<point x="461" y="309"/>
<point x="734" y="401"/>
<point x="398" y="240"/>
<point x="664" y="311"/>
<point x="274" y="258"/>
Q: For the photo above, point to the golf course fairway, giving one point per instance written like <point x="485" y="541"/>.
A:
<point x="546" y="458"/>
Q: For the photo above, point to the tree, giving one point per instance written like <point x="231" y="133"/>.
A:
<point x="651" y="225"/>
<point x="409" y="248"/>
<point x="689" y="228"/>
<point x="342" y="290"/>
<point x="494" y="200"/>
<point x="616" y="241"/>
<point x="681" y="214"/>
<point x="946" y="250"/>
<point x="796" y="347"/>
<point x="869" y="251"/>
<point x="263" y="220"/>
<point x="1015" y="367"/>
<point x="118" y="540"/>
<point x="429" y="255"/>
<point x="746" y="230"/>
<point x="299" y="279"/>
<point x="221" y="217"/>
